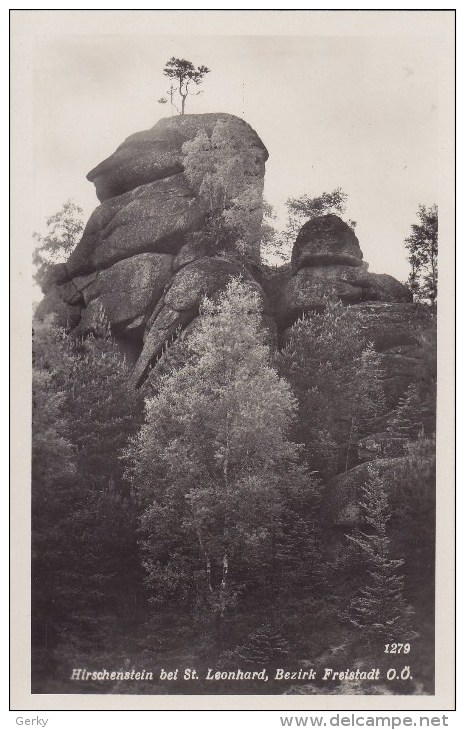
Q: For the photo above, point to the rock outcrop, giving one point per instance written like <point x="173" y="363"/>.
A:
<point x="142" y="257"/>
<point x="144" y="261"/>
<point x="326" y="240"/>
<point x="153" y="218"/>
<point x="180" y="304"/>
<point x="327" y="258"/>
<point x="156" y="153"/>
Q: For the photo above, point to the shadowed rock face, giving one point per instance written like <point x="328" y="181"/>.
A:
<point x="180" y="304"/>
<point x="127" y="292"/>
<point x="326" y="240"/>
<point x="142" y="257"/>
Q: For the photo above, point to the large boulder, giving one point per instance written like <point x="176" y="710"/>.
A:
<point x="127" y="291"/>
<point x="326" y="240"/>
<point x="327" y="260"/>
<point x="385" y="288"/>
<point x="201" y="278"/>
<point x="156" y="153"/>
<point x="148" y="237"/>
<point x="153" y="218"/>
<point x="306" y="290"/>
<point x="145" y="259"/>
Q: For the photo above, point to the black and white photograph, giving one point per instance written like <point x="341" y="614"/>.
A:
<point x="239" y="231"/>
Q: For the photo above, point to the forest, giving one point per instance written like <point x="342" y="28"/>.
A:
<point x="259" y="502"/>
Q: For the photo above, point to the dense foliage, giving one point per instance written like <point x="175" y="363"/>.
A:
<point x="208" y="530"/>
<point x="84" y="552"/>
<point x="222" y="177"/>
<point x="336" y="377"/>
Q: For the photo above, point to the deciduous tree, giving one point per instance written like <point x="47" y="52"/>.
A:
<point x="207" y="460"/>
<point x="64" y="230"/>
<point x="422" y="247"/>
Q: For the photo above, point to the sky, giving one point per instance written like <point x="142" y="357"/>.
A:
<point x="356" y="112"/>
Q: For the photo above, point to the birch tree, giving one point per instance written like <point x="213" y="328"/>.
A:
<point x="207" y="461"/>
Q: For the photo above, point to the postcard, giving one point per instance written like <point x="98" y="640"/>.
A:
<point x="233" y="337"/>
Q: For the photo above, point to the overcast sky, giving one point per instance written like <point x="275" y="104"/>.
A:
<point x="353" y="112"/>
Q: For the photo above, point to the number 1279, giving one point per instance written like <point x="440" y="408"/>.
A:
<point x="397" y="648"/>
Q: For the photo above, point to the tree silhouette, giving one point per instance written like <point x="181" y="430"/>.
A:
<point x="185" y="74"/>
<point x="422" y="247"/>
<point x="63" y="232"/>
<point x="379" y="608"/>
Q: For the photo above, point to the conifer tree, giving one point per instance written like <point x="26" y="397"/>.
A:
<point x="336" y="377"/>
<point x="379" y="608"/>
<point x="185" y="77"/>
<point x="413" y="484"/>
<point x="414" y="414"/>
<point x="83" y="522"/>
<point x="300" y="542"/>
<point x="264" y="646"/>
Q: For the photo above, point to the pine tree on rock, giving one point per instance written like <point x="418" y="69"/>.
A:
<point x="186" y="77"/>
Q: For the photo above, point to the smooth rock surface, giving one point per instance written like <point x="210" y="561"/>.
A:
<point x="156" y="153"/>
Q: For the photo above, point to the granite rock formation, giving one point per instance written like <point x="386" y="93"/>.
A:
<point x="327" y="258"/>
<point x="143" y="260"/>
<point x="139" y="258"/>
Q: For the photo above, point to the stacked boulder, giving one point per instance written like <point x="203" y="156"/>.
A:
<point x="327" y="258"/>
<point x="137" y="259"/>
<point x="143" y="262"/>
<point x="139" y="262"/>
